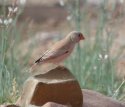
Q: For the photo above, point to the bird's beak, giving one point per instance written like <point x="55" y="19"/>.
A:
<point x="82" y="37"/>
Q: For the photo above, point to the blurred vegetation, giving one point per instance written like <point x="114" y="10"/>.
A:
<point x="11" y="77"/>
<point x="91" y="62"/>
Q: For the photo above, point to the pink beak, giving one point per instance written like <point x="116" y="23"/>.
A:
<point x="82" y="37"/>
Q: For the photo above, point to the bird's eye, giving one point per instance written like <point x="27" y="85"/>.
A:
<point x="79" y="35"/>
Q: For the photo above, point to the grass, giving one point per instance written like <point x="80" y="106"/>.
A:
<point x="91" y="63"/>
<point x="11" y="77"/>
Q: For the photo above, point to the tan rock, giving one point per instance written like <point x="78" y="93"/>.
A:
<point x="92" y="99"/>
<point x="58" y="88"/>
<point x="11" y="105"/>
<point x="95" y="99"/>
<point x="58" y="85"/>
<point x="50" y="104"/>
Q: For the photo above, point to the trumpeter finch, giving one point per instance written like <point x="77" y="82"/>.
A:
<point x="61" y="50"/>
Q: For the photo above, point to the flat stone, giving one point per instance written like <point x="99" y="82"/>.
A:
<point x="58" y="85"/>
<point x="95" y="99"/>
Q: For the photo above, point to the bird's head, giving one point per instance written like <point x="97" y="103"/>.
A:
<point x="76" y="36"/>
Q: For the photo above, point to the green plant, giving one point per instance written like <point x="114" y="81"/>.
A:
<point x="10" y="75"/>
<point x="92" y="63"/>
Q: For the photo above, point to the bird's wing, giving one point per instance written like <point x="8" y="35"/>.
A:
<point x="59" y="49"/>
<point x="51" y="54"/>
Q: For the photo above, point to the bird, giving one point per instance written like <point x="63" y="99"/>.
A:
<point x="60" y="50"/>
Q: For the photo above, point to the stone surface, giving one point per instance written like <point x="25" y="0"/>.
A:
<point x="11" y="105"/>
<point x="58" y="85"/>
<point x="58" y="88"/>
<point x="95" y="99"/>
<point x="92" y="99"/>
<point x="51" y="104"/>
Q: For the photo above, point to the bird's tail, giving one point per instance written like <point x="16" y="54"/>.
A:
<point x="30" y="69"/>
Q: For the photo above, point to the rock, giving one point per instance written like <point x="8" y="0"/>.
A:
<point x="92" y="99"/>
<point x="58" y="88"/>
<point x="12" y="105"/>
<point x="57" y="85"/>
<point x="51" y="104"/>
<point x="95" y="99"/>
